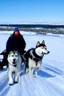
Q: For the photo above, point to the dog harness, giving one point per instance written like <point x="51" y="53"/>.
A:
<point x="34" y="56"/>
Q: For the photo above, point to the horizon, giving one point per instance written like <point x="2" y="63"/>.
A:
<point x="31" y="23"/>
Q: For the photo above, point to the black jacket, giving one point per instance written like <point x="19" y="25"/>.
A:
<point x="16" y="43"/>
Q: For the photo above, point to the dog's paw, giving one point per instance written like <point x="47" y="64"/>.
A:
<point x="15" y="82"/>
<point x="27" y="70"/>
<point x="10" y="83"/>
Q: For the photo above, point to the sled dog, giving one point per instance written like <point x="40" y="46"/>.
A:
<point x="14" y="66"/>
<point x="34" y="57"/>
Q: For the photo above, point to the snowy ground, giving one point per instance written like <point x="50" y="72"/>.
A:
<point x="50" y="79"/>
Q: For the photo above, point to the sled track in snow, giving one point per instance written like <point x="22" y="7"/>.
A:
<point x="43" y="85"/>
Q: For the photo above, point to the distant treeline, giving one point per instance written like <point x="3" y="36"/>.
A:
<point x="38" y="28"/>
<point x="32" y="25"/>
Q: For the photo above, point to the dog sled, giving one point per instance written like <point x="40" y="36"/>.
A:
<point x="3" y="61"/>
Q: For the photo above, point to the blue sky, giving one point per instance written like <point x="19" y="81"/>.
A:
<point x="32" y="11"/>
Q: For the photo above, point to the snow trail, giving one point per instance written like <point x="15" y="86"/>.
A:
<point x="50" y="79"/>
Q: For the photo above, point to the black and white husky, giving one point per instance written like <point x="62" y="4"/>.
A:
<point x="14" y="66"/>
<point x="34" y="57"/>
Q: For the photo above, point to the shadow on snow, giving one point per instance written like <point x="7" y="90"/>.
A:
<point x="54" y="70"/>
<point x="4" y="87"/>
<point x="44" y="74"/>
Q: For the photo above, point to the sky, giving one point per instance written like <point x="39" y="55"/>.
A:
<point x="32" y="11"/>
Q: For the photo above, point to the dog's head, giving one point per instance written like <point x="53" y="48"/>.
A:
<point x="41" y="48"/>
<point x="13" y="57"/>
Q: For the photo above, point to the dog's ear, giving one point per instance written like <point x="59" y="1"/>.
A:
<point x="38" y="43"/>
<point x="43" y="42"/>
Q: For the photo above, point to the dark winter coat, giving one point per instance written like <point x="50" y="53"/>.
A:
<point x="16" y="43"/>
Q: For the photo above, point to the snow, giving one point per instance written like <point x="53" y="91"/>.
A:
<point x="50" y="79"/>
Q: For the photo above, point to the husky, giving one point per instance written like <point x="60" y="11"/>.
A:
<point x="34" y="57"/>
<point x="14" y="66"/>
